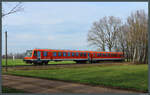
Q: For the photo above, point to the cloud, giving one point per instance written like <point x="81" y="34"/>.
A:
<point x="60" y="25"/>
<point x="31" y="20"/>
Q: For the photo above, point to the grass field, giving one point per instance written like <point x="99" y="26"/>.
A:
<point x="133" y="77"/>
<point x="10" y="62"/>
<point x="11" y="90"/>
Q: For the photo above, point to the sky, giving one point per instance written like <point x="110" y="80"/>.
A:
<point x="59" y="25"/>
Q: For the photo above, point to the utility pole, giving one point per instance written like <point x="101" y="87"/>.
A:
<point x="6" y="50"/>
<point x="1" y="46"/>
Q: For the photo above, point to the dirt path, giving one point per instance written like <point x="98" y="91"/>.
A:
<point x="36" y="85"/>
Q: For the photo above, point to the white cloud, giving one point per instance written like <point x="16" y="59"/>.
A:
<point x="30" y="20"/>
<point x="60" y="25"/>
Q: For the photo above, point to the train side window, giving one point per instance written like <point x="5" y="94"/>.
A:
<point x="99" y="54"/>
<point x="54" y="53"/>
<point x="84" y="54"/>
<point x="64" y="54"/>
<point x="35" y="53"/>
<point x="103" y="54"/>
<point x="72" y="54"/>
<point x="88" y="54"/>
<point x="44" y="53"/>
<point x="68" y="53"/>
<point x="59" y="53"/>
<point x="80" y="54"/>
<point x="77" y="54"/>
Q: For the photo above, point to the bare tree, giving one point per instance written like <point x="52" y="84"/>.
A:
<point x="138" y="34"/>
<point x="15" y="8"/>
<point x="112" y="25"/>
<point x="96" y="35"/>
<point x="103" y="32"/>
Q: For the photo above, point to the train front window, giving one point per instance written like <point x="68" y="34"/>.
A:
<point x="28" y="53"/>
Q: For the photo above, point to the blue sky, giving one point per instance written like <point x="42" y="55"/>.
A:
<point x="60" y="25"/>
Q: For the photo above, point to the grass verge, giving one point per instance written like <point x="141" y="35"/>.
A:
<point x="15" y="62"/>
<point x="134" y="77"/>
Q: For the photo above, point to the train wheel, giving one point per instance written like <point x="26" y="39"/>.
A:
<point x="46" y="63"/>
<point x="41" y="63"/>
<point x="78" y="62"/>
<point x="81" y="62"/>
<point x="35" y="63"/>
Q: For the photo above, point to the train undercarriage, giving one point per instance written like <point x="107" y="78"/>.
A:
<point x="45" y="62"/>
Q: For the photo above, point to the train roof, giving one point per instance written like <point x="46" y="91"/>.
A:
<point x="76" y="51"/>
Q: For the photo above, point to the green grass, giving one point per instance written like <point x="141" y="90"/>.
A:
<point x="121" y="76"/>
<point x="10" y="62"/>
<point x="11" y="90"/>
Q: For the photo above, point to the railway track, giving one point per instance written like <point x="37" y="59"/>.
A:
<point x="57" y="65"/>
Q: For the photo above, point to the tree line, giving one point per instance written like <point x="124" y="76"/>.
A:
<point x="16" y="55"/>
<point x="129" y="36"/>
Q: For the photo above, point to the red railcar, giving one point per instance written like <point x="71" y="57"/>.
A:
<point x="43" y="56"/>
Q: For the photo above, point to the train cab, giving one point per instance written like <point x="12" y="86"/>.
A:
<point x="28" y="56"/>
<point x="35" y="57"/>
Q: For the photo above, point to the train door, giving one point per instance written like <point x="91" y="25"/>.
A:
<point x="89" y="58"/>
<point x="39" y="54"/>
